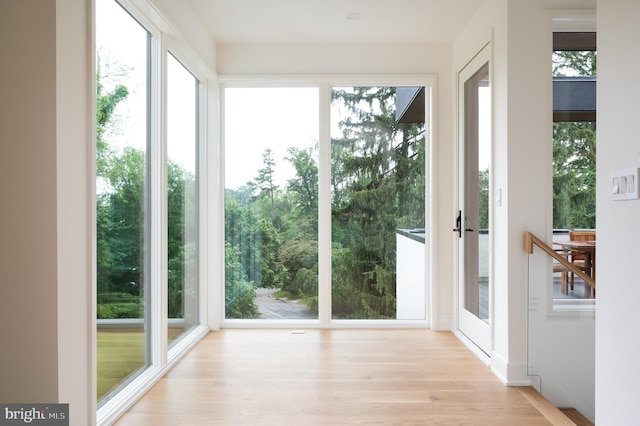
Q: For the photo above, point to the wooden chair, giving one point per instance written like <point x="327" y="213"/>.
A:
<point x="582" y="235"/>
<point x="559" y="267"/>
<point x="577" y="257"/>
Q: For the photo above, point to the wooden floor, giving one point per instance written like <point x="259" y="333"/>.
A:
<point x="337" y="377"/>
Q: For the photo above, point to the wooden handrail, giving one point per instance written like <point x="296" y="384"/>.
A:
<point x="530" y="240"/>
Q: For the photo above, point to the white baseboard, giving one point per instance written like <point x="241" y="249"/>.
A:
<point x="511" y="374"/>
<point x="443" y="323"/>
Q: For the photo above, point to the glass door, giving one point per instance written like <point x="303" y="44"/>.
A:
<point x="472" y="221"/>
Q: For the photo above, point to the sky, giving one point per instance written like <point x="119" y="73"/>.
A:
<point x="261" y="118"/>
<point x="121" y="49"/>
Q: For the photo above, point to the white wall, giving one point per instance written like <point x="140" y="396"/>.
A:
<point x="28" y="308"/>
<point x="75" y="142"/>
<point x="617" y="350"/>
<point x="45" y="187"/>
<point x="331" y="59"/>
<point x="186" y="29"/>
<point x="411" y="268"/>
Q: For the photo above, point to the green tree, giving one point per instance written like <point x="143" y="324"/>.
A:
<point x="181" y="236"/>
<point x="574" y="175"/>
<point x="125" y="234"/>
<point x="265" y="180"/>
<point x="242" y="232"/>
<point x="300" y="260"/>
<point x="272" y="272"/>
<point x="105" y="106"/>
<point x="568" y="63"/>
<point x="240" y="294"/>
<point x="120" y="219"/>
<point x="106" y="224"/>
<point x="483" y="176"/>
<point x="378" y="185"/>
<point x="304" y="184"/>
<point x="574" y="152"/>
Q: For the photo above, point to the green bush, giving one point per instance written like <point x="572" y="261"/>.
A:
<point x="117" y="297"/>
<point x="119" y="310"/>
<point x="240" y="299"/>
<point x="311" y="303"/>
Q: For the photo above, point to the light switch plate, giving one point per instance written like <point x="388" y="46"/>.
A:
<point x="624" y="184"/>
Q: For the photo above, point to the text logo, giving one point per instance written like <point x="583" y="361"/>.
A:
<point x="34" y="414"/>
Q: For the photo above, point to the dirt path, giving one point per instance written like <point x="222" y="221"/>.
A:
<point x="272" y="308"/>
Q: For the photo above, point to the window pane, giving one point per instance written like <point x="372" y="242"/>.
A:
<point x="574" y="163"/>
<point x="122" y="182"/>
<point x="182" y="199"/>
<point x="378" y="198"/>
<point x="477" y="155"/>
<point x="271" y="203"/>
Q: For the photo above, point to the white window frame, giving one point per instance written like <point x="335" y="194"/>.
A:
<point x="165" y="40"/>
<point x="324" y="83"/>
<point x="568" y="21"/>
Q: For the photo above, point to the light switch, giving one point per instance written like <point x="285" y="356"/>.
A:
<point x="624" y="184"/>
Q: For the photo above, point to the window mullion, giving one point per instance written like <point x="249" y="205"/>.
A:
<point x="158" y="205"/>
<point x="324" y="207"/>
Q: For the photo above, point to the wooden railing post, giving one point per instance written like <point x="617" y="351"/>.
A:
<point x="528" y="243"/>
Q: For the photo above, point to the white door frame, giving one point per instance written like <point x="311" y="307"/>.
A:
<point x="474" y="331"/>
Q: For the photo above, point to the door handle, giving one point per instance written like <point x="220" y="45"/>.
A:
<point x="458" y="227"/>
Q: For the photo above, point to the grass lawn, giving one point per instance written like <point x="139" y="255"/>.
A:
<point x="121" y="353"/>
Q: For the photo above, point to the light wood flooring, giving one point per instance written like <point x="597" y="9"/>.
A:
<point x="336" y="377"/>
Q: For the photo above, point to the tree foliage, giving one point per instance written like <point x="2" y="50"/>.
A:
<point x="378" y="185"/>
<point x="121" y="220"/>
<point x="574" y="153"/>
<point x="120" y="268"/>
<point x="574" y="175"/>
<point x="568" y="63"/>
<point x="240" y="294"/>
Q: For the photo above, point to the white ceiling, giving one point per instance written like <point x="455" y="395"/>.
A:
<point x="334" y="21"/>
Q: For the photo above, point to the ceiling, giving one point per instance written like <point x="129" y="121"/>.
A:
<point x="334" y="21"/>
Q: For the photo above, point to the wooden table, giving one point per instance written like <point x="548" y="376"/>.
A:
<point x="588" y="249"/>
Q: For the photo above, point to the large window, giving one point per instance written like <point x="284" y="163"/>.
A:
<point x="148" y="210"/>
<point x="123" y="277"/>
<point x="334" y="179"/>
<point x="377" y="187"/>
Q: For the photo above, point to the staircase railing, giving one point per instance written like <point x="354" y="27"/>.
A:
<point x="530" y="240"/>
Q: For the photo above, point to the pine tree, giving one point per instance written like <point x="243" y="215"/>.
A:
<point x="378" y="185"/>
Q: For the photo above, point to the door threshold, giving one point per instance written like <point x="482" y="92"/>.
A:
<point x="482" y="355"/>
